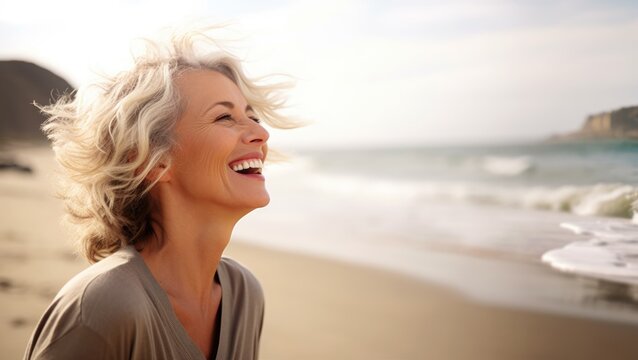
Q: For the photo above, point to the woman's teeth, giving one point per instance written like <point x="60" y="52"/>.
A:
<point x="248" y="164"/>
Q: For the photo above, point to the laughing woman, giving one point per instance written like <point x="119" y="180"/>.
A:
<point x="160" y="165"/>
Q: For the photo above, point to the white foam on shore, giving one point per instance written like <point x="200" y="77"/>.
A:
<point x="611" y="253"/>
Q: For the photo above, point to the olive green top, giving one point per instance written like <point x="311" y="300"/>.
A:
<point x="115" y="309"/>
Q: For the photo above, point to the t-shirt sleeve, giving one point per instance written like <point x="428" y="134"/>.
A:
<point x="79" y="343"/>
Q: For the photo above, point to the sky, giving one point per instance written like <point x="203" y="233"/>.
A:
<point x="375" y="73"/>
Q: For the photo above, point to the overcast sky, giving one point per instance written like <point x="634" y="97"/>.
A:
<point x="377" y="73"/>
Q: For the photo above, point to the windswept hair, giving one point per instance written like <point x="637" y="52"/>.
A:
<point x="110" y="135"/>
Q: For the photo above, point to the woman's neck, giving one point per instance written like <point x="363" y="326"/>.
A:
<point x="186" y="247"/>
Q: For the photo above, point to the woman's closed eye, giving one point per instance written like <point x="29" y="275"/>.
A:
<point x="229" y="117"/>
<point x="224" y="117"/>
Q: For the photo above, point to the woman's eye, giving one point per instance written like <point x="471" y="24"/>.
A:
<point x="224" y="117"/>
<point x="229" y="117"/>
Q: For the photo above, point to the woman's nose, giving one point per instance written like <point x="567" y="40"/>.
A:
<point x="255" y="133"/>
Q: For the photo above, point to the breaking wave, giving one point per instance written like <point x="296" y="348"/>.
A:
<point x="507" y="166"/>
<point x="612" y="200"/>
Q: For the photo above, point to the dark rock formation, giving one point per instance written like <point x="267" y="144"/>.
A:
<point x="10" y="164"/>
<point x="22" y="83"/>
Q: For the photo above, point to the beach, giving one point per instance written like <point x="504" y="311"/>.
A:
<point x="323" y="309"/>
<point x="320" y="306"/>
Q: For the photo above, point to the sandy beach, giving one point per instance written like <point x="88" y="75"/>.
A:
<point x="322" y="309"/>
<point x="316" y="308"/>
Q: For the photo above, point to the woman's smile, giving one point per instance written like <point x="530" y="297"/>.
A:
<point x="250" y="165"/>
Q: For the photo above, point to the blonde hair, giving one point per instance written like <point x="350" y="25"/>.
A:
<point x="108" y="143"/>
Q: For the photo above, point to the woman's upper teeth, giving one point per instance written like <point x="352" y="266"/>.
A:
<point x="252" y="163"/>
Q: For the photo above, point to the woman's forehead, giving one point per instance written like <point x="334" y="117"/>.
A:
<point x="202" y="89"/>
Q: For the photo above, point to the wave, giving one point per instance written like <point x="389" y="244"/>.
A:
<point x="600" y="199"/>
<point x="507" y="166"/>
<point x="612" y="200"/>
<point x="523" y="164"/>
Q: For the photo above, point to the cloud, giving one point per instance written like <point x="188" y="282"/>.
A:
<point x="413" y="72"/>
<point x="527" y="81"/>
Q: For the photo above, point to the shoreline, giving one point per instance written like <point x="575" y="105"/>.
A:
<point x="482" y="274"/>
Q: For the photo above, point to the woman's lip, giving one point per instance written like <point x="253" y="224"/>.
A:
<point x="249" y="156"/>
<point x="254" y="176"/>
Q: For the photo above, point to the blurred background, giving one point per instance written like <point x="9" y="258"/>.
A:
<point x="489" y="148"/>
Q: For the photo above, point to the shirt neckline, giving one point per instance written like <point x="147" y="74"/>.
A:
<point x="166" y="309"/>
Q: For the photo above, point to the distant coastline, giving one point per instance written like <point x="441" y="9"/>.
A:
<point x="616" y="124"/>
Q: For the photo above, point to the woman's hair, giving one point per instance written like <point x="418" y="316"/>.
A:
<point x="111" y="134"/>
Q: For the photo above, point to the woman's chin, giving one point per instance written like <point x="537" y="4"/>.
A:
<point x="258" y="202"/>
<point x="264" y="201"/>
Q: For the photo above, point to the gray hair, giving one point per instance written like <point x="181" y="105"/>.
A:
<point x="107" y="141"/>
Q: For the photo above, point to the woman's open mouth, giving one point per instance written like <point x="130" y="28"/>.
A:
<point x="248" y="167"/>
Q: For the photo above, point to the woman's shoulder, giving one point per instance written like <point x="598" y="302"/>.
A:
<point x="108" y="290"/>
<point x="96" y="305"/>
<point x="246" y="312"/>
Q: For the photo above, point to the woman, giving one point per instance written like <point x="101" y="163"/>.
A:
<point x="160" y="165"/>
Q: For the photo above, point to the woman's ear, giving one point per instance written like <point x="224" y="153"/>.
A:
<point x="160" y="173"/>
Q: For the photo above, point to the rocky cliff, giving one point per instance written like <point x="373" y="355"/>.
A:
<point x="616" y="124"/>
<point x="22" y="83"/>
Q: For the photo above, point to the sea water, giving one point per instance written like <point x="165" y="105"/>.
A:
<point x="585" y="178"/>
<point x="392" y="206"/>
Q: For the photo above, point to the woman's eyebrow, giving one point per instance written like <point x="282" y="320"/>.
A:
<point x="227" y="104"/>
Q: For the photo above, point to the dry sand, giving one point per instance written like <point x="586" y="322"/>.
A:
<point x="315" y="308"/>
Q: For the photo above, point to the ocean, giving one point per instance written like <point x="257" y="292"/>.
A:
<point x="568" y="207"/>
<point x="584" y="178"/>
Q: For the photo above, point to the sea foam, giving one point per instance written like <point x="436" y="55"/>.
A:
<point x="611" y="252"/>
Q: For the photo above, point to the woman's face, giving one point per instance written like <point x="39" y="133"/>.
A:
<point x="216" y="132"/>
